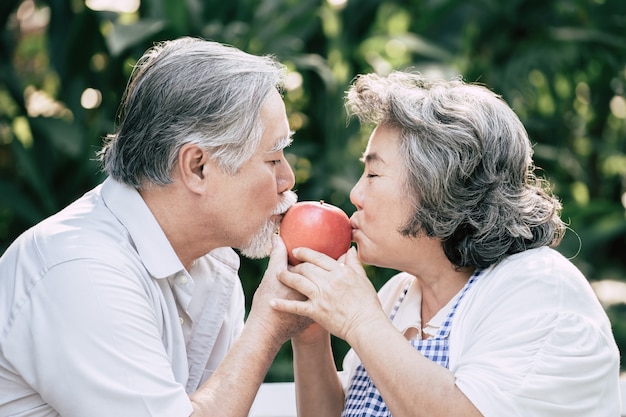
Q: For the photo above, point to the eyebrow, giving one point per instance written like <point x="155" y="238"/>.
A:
<point x="283" y="143"/>
<point x="371" y="157"/>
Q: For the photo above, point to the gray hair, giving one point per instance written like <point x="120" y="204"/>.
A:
<point x="189" y="91"/>
<point x="469" y="168"/>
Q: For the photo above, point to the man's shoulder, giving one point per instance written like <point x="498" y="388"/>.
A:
<point x="84" y="229"/>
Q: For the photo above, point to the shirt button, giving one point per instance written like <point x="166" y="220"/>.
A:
<point x="181" y="320"/>
<point x="182" y="280"/>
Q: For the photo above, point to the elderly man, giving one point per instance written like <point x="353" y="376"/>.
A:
<point x="128" y="302"/>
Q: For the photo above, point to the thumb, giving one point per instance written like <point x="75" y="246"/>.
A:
<point x="278" y="255"/>
<point x="352" y="260"/>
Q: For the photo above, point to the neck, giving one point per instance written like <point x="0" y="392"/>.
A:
<point x="438" y="278"/>
<point x="171" y="211"/>
<point x="437" y="293"/>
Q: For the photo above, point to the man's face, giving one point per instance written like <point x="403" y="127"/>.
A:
<point x="255" y="198"/>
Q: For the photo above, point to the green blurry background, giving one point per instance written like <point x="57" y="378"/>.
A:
<point x="561" y="64"/>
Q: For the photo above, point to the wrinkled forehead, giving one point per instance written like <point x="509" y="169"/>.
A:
<point x="383" y="146"/>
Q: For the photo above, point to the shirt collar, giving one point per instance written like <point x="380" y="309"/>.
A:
<point x="153" y="247"/>
<point x="409" y="314"/>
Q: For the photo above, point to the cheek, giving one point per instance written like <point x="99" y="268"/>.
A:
<point x="393" y="210"/>
<point x="263" y="192"/>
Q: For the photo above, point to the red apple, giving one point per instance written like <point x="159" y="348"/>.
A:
<point x="316" y="225"/>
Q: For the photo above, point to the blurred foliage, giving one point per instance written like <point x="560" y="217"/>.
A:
<point x="561" y="65"/>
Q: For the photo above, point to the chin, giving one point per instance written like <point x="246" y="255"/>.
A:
<point x="260" y="245"/>
<point x="256" y="254"/>
<point x="362" y="254"/>
<point x="257" y="249"/>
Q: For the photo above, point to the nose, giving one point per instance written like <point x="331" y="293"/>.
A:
<point x="355" y="195"/>
<point x="286" y="178"/>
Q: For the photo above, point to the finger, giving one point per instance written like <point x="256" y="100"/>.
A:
<point x="301" y="308"/>
<point x="342" y="258"/>
<point x="352" y="260"/>
<point x="316" y="258"/>
<point x="298" y="282"/>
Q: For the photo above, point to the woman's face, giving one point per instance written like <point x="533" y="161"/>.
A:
<point x="382" y="204"/>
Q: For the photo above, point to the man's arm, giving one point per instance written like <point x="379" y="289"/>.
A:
<point x="231" y="390"/>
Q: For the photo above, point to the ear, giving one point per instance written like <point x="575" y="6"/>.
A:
<point x="193" y="166"/>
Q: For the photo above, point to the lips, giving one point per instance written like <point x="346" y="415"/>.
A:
<point x="353" y="223"/>
<point x="355" y="227"/>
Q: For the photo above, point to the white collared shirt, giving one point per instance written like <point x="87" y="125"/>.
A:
<point x="530" y="339"/>
<point x="90" y="313"/>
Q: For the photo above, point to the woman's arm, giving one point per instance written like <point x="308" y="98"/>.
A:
<point x="410" y="384"/>
<point x="341" y="299"/>
<point x="318" y="390"/>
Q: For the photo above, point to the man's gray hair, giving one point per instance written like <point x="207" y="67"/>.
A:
<point x="189" y="90"/>
<point x="469" y="168"/>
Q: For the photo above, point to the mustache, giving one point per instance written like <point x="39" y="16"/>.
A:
<point x="287" y="199"/>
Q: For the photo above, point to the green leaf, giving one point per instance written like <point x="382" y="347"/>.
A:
<point x="176" y="13"/>
<point x="22" y="206"/>
<point x="123" y="37"/>
<point x="32" y="175"/>
<point x="576" y="34"/>
<point x="65" y="137"/>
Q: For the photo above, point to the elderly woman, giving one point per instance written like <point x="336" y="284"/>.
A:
<point x="485" y="317"/>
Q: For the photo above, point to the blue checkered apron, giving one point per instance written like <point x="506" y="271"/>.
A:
<point x="364" y="400"/>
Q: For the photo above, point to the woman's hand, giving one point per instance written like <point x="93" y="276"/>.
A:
<point x="339" y="296"/>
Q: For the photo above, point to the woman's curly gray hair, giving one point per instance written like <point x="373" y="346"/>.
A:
<point x="469" y="168"/>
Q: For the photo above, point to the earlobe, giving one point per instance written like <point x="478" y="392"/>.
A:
<point x="193" y="167"/>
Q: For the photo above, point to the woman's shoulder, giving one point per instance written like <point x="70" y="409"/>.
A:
<point x="537" y="282"/>
<point x="541" y="258"/>
<point x="541" y="266"/>
<point x="534" y="318"/>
